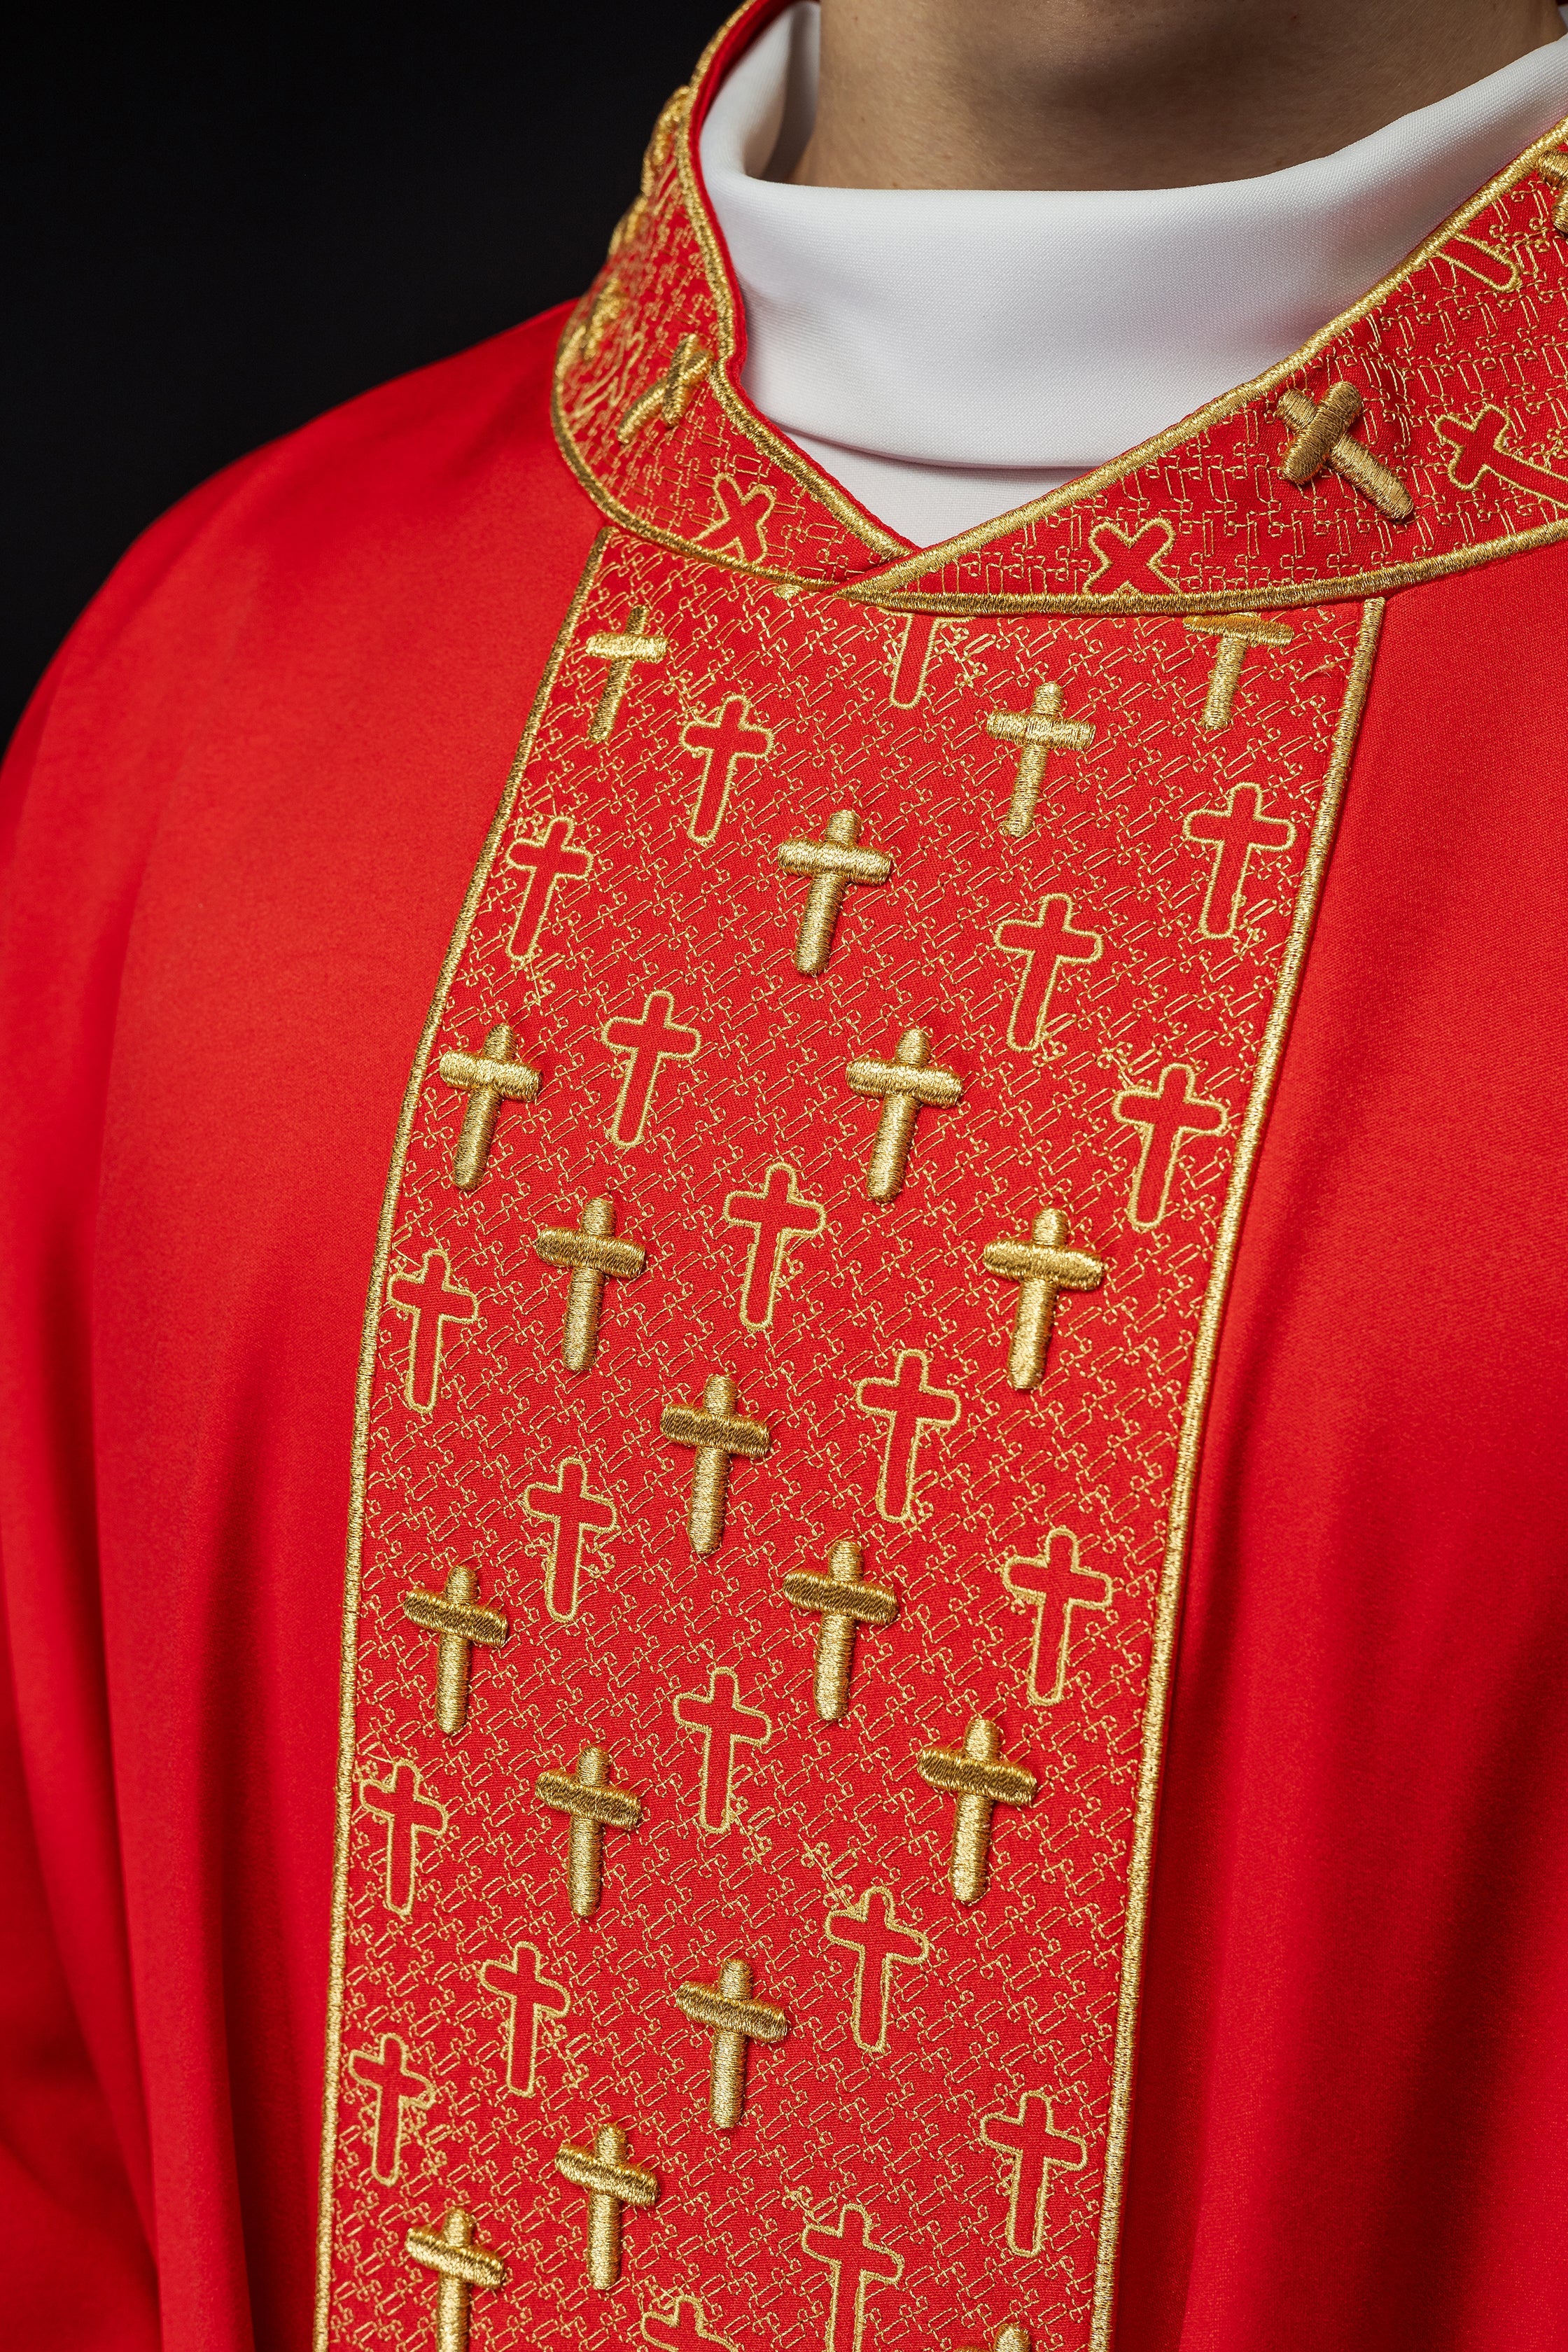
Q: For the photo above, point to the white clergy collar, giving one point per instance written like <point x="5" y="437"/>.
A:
<point x="947" y="354"/>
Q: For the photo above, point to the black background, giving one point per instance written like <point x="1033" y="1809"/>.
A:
<point x="217" y="228"/>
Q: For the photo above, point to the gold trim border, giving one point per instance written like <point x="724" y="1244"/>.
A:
<point x="891" y="586"/>
<point x="365" y="1381"/>
<point x="1168" y="1600"/>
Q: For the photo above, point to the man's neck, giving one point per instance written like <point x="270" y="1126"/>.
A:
<point x="1133" y="93"/>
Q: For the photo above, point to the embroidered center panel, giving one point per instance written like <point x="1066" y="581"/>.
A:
<point x="778" y="1426"/>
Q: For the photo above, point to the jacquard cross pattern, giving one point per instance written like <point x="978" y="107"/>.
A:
<point x="812" y="1385"/>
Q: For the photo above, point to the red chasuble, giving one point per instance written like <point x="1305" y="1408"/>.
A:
<point x="945" y="1722"/>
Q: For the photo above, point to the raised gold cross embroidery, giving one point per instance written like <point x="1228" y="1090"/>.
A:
<point x="671" y="395"/>
<point x="1042" y="1268"/>
<point x="1324" y="433"/>
<point x="595" y="1258"/>
<point x="454" y="1615"/>
<point x="843" y="1602"/>
<point x="592" y="1806"/>
<point x="734" y="2020"/>
<point x="1553" y="168"/>
<point x="1013" y="2338"/>
<point x="907" y="1085"/>
<point x="833" y="864"/>
<point x="459" y="2266"/>
<point x="1039" y="731"/>
<point x="611" y="2182"/>
<point x="487" y="1078"/>
<point x="716" y="1432"/>
<point x="981" y="1777"/>
<point x="1237" y="634"/>
<point x="622" y="650"/>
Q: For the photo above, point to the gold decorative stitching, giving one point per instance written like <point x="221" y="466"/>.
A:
<point x="386" y="2074"/>
<point x="734" y="2020"/>
<point x="1046" y="944"/>
<point x="843" y="1601"/>
<point x="716" y="1432"/>
<point x="907" y="1085"/>
<point x="487" y="1078"/>
<point x="1237" y="634"/>
<point x="596" y="1257"/>
<point x="529" y="1995"/>
<point x="1054" y="1583"/>
<point x="724" y="1724"/>
<point x="611" y="2183"/>
<point x="431" y="1300"/>
<point x="1037" y="2148"/>
<point x="549" y="861"/>
<point x="649" y="1041"/>
<point x="1553" y="168"/>
<point x="907" y="1405"/>
<point x="721" y="743"/>
<point x="622" y="650"/>
<point x="592" y="1806"/>
<point x="981" y="1777"/>
<point x="460" y="2265"/>
<point x="671" y="395"/>
<point x="1324" y="437"/>
<point x="1040" y="730"/>
<point x="1130" y="561"/>
<point x="1477" y="443"/>
<point x="1167" y="1116"/>
<point x="833" y="863"/>
<point x="410" y="1814"/>
<point x="455" y="1615"/>
<point x="576" y="1514"/>
<point x="778" y="1215"/>
<point x="686" y="2329"/>
<point x="1043" y="1267"/>
<point x="1235" y="831"/>
<point x="857" y="2264"/>
<point x="879" y="1940"/>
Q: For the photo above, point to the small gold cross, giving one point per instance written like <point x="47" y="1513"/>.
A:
<point x="1237" y="634"/>
<point x="981" y="1777"/>
<point x="1013" y="2338"/>
<point x="454" y="1615"/>
<point x="1553" y="166"/>
<point x="833" y="863"/>
<point x="592" y="1807"/>
<point x="611" y="2182"/>
<point x="735" y="2018"/>
<point x="487" y="1078"/>
<point x="459" y="2266"/>
<point x="1323" y="438"/>
<point x="594" y="1255"/>
<point x="907" y="1086"/>
<point x="843" y="1602"/>
<point x="1041" y="1266"/>
<point x="716" y="1431"/>
<point x="671" y="395"/>
<point x="621" y="651"/>
<point x="1041" y="730"/>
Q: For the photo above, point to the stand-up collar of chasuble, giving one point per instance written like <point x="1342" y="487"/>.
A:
<point x="1422" y="431"/>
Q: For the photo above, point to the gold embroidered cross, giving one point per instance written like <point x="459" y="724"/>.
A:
<point x="907" y="1085"/>
<point x="459" y="2266"/>
<point x="611" y="2182"/>
<point x="487" y="1078"/>
<point x="981" y="1777"/>
<point x="1040" y="730"/>
<point x="1323" y="438"/>
<point x="833" y="864"/>
<point x="1013" y="2338"/>
<point x="671" y="395"/>
<point x="455" y="1614"/>
<point x="592" y="1806"/>
<point x="716" y="1431"/>
<point x="594" y="1256"/>
<point x="843" y="1602"/>
<point x="622" y="650"/>
<point x="1237" y="634"/>
<point x="1042" y="1266"/>
<point x="1553" y="167"/>
<point x="734" y="2020"/>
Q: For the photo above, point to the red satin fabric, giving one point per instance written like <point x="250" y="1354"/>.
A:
<point x="245" y="810"/>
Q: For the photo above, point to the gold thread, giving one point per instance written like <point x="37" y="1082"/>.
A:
<point x="623" y="649"/>
<point x="611" y="2183"/>
<point x="715" y="1431"/>
<point x="723" y="1723"/>
<point x="1039" y="731"/>
<point x="1043" y="1268"/>
<point x="856" y="2263"/>
<point x="386" y="2075"/>
<point x="410" y="1814"/>
<point x="906" y="1085"/>
<point x="908" y="1404"/>
<point x="1235" y="832"/>
<point x="353" y="1564"/>
<point x="778" y="1216"/>
<point x="577" y="1515"/>
<point x="595" y="1258"/>
<point x="1167" y="1116"/>
<point x="529" y="1995"/>
<point x="721" y="743"/>
<point x="454" y="1615"/>
<point x="834" y="863"/>
<point x="1119" y="549"/>
<point x="1553" y="168"/>
<point x="1168" y="1600"/>
<point x="460" y="2265"/>
<point x="487" y="1078"/>
<point x="1044" y="944"/>
<point x="842" y="1600"/>
<point x="670" y="395"/>
<point x="592" y="1805"/>
<point x="1031" y="2138"/>
<point x="981" y="1777"/>
<point x="1236" y="635"/>
<point x="880" y="1943"/>
<point x="735" y="2020"/>
<point x="1325" y="437"/>
<point x="1047" y="1583"/>
<point x="648" y="1043"/>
